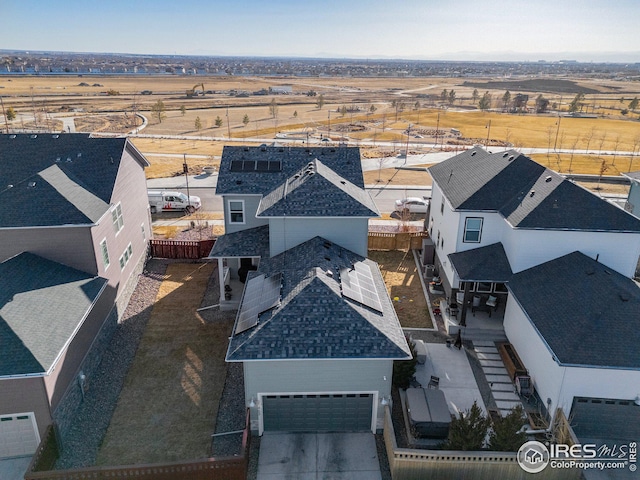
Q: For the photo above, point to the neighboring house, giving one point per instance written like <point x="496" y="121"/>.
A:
<point x="316" y="331"/>
<point x="74" y="226"/>
<point x="561" y="261"/>
<point x="633" y="199"/>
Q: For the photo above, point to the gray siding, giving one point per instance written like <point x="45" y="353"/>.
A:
<point x="350" y="233"/>
<point x="251" y="203"/>
<point x="317" y="376"/>
<point x="23" y="395"/>
<point x="70" y="245"/>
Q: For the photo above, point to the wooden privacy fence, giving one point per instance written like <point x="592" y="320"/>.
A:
<point x="417" y="464"/>
<point x="396" y="240"/>
<point x="221" y="468"/>
<point x="181" y="249"/>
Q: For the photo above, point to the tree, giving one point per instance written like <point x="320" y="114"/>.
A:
<point x="218" y="121"/>
<point x="444" y="95"/>
<point x="633" y="104"/>
<point x="183" y="110"/>
<point x="541" y="104"/>
<point x="245" y="120"/>
<point x="198" y="123"/>
<point x="475" y="96"/>
<point x="506" y="434"/>
<point x="576" y="103"/>
<point x="320" y="102"/>
<point x="468" y="431"/>
<point x="343" y="111"/>
<point x="10" y="113"/>
<point x="416" y="106"/>
<point x="295" y="114"/>
<point x="372" y="108"/>
<point x="157" y="110"/>
<point x="485" y="101"/>
<point x="506" y="99"/>
<point x="452" y="97"/>
<point x="273" y="108"/>
<point x="311" y="93"/>
<point x="404" y="370"/>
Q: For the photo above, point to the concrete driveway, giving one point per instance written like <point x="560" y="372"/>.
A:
<point x="314" y="456"/>
<point x="14" y="468"/>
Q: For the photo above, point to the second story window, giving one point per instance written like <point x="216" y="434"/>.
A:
<point x="472" y="230"/>
<point x="442" y="207"/>
<point x="116" y="216"/>
<point x="105" y="253"/>
<point x="236" y="211"/>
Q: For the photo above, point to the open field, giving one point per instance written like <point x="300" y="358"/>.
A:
<point x="397" y="103"/>
<point x="168" y="405"/>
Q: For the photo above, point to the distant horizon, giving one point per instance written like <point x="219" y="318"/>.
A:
<point x="463" y="57"/>
<point x="421" y="30"/>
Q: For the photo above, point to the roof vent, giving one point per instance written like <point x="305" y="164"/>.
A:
<point x="246" y="149"/>
<point x="55" y="136"/>
<point x="310" y="164"/>
<point x="68" y="159"/>
<point x="473" y="153"/>
<point x="34" y="136"/>
<point x="238" y="182"/>
<point x="307" y="150"/>
<point x="296" y="176"/>
<point x="263" y="148"/>
<point x="548" y="179"/>
<point x="327" y="258"/>
<point x="281" y="149"/>
<point x="31" y="184"/>
<point x="327" y="244"/>
<point x="332" y="150"/>
<point x="504" y="155"/>
<point x="532" y="193"/>
<point x="555" y="204"/>
<point x="625" y="297"/>
<point x="511" y="157"/>
<point x="12" y="136"/>
<point x="312" y="173"/>
<point x="10" y="186"/>
<point x="591" y="271"/>
<point x="78" y="155"/>
<point x="343" y="182"/>
<point x="329" y="273"/>
<point x="58" y="159"/>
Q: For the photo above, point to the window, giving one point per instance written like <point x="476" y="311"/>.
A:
<point x="236" y="211"/>
<point x="144" y="233"/>
<point x="472" y="230"/>
<point x="471" y="286"/>
<point x="500" y="288"/>
<point x="442" y="207"/>
<point x="105" y="253"/>
<point x="483" y="287"/>
<point x="116" y="215"/>
<point x="125" y="257"/>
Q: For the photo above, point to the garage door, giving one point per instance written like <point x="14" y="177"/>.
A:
<point x="317" y="413"/>
<point x="17" y="436"/>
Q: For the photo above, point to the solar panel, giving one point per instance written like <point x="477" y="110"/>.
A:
<point x="262" y="166"/>
<point x="236" y="165"/>
<point x="357" y="284"/>
<point x="260" y="295"/>
<point x="249" y="166"/>
<point x="275" y="165"/>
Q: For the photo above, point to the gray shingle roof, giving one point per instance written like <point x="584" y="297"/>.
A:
<point x="316" y="190"/>
<point x="71" y="174"/>
<point x="41" y="305"/>
<point x="633" y="175"/>
<point x="527" y="194"/>
<point x="313" y="319"/>
<point x="605" y="420"/>
<point x="252" y="242"/>
<point x="345" y="161"/>
<point x="587" y="313"/>
<point x="483" y="264"/>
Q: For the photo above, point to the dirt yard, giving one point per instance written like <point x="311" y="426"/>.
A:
<point x="403" y="284"/>
<point x="168" y="405"/>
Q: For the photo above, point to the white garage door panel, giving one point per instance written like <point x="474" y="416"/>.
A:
<point x="17" y="435"/>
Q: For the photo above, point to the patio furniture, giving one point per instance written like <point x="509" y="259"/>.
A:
<point x="460" y="298"/>
<point x="492" y="302"/>
<point x="452" y="310"/>
<point x="434" y="382"/>
<point x="523" y="385"/>
<point x="479" y="305"/>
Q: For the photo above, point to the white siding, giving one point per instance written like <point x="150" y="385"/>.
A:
<point x="558" y="383"/>
<point x="447" y="225"/>
<point x="528" y="248"/>
<point x="349" y="233"/>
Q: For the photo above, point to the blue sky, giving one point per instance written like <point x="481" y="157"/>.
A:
<point x="421" y="29"/>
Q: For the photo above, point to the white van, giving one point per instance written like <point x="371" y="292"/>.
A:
<point x="166" y="201"/>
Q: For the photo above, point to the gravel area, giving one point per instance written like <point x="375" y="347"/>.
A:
<point x="94" y="414"/>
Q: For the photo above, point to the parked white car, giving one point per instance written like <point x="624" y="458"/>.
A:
<point x="412" y="205"/>
<point x="163" y="201"/>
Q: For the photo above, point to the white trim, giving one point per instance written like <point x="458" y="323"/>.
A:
<point x="244" y="213"/>
<point x="119" y="218"/>
<point x="373" y="393"/>
<point x="104" y="240"/>
<point x="34" y="424"/>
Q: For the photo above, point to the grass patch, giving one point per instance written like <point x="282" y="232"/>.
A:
<point x="168" y="405"/>
<point x="403" y="281"/>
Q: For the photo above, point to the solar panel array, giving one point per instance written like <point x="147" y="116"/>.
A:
<point x="260" y="295"/>
<point x="256" y="165"/>
<point x="357" y="284"/>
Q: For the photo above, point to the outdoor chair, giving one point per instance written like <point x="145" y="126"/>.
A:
<point x="434" y="382"/>
<point x="492" y="302"/>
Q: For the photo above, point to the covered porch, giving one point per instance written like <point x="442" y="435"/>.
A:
<point x="237" y="254"/>
<point x="478" y="302"/>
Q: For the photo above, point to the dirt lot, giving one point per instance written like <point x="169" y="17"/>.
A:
<point x="403" y="284"/>
<point x="168" y="405"/>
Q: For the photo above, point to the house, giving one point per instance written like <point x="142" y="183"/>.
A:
<point x="74" y="226"/>
<point x="633" y="199"/>
<point x="316" y="331"/>
<point x="560" y="261"/>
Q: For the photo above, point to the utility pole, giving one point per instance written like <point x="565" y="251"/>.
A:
<point x="6" y="122"/>
<point x="486" y="144"/>
<point x="228" y="127"/>
<point x="437" y="128"/>
<point x="329" y="116"/>
<point x="185" y="168"/>
<point x="406" y="152"/>
<point x="557" y="131"/>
